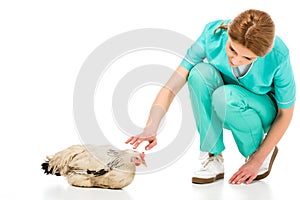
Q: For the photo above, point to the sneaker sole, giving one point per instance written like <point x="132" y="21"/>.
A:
<point x="197" y="180"/>
<point x="264" y="175"/>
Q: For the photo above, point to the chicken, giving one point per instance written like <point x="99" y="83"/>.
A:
<point x="95" y="166"/>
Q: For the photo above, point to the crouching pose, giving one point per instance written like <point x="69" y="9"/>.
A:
<point x="240" y="78"/>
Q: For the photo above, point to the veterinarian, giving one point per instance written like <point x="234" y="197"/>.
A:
<point x="240" y="78"/>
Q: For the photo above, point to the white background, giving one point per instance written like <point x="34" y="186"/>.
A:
<point x="42" y="47"/>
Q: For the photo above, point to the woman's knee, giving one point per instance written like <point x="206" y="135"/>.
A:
<point x="204" y="73"/>
<point x="226" y="97"/>
<point x="218" y="101"/>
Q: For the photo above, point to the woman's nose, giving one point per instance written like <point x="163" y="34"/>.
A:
<point x="235" y="60"/>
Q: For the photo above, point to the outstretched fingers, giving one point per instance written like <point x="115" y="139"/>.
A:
<point x="151" y="144"/>
<point x="131" y="140"/>
<point x="136" y="141"/>
<point x="242" y="176"/>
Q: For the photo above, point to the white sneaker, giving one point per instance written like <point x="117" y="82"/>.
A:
<point x="266" y="167"/>
<point x="211" y="170"/>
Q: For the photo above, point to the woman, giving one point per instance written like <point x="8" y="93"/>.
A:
<point x="240" y="78"/>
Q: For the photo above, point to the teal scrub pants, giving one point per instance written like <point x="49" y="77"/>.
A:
<point x="217" y="105"/>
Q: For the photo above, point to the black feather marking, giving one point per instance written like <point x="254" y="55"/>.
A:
<point x="97" y="173"/>
<point x="101" y="172"/>
<point x="115" y="163"/>
<point x="45" y="167"/>
<point x="57" y="174"/>
<point x="112" y="152"/>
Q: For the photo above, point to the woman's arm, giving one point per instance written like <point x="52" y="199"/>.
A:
<point x="159" y="107"/>
<point x="250" y="169"/>
<point x="279" y="126"/>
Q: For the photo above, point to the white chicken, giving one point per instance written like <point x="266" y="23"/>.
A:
<point x="95" y="166"/>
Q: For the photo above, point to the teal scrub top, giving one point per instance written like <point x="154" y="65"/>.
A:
<point x="271" y="74"/>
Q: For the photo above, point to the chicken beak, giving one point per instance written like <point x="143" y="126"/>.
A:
<point x="143" y="159"/>
<point x="144" y="163"/>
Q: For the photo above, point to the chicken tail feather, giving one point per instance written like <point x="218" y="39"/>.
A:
<point x="47" y="171"/>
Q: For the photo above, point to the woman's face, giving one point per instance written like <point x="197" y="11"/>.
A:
<point x="238" y="55"/>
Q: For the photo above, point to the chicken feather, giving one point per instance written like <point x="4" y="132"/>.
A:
<point x="94" y="166"/>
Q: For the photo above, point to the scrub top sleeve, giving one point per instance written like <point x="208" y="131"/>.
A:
<point x="196" y="53"/>
<point x="284" y="85"/>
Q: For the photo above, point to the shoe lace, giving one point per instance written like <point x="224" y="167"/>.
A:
<point x="206" y="163"/>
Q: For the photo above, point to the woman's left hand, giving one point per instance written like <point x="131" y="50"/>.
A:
<point x="247" y="173"/>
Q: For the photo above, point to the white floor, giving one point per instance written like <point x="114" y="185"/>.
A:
<point x="26" y="180"/>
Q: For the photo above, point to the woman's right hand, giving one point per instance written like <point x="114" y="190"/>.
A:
<point x="144" y="136"/>
<point x="159" y="109"/>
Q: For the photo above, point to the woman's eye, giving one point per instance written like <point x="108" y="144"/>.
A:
<point x="231" y="49"/>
